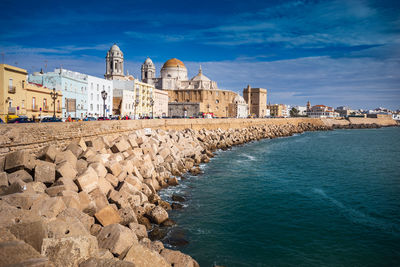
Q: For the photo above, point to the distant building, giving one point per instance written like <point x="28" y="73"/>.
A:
<point x="95" y="100"/>
<point x="276" y="110"/>
<point x="241" y="109"/>
<point x="256" y="99"/>
<point x="321" y="111"/>
<point x="160" y="108"/>
<point x="114" y="64"/>
<point x="302" y="110"/>
<point x="73" y="86"/>
<point x="183" y="110"/>
<point x="123" y="102"/>
<point x="20" y="98"/>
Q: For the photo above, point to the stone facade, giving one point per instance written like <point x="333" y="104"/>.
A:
<point x="256" y="98"/>
<point x="218" y="103"/>
<point x="183" y="110"/>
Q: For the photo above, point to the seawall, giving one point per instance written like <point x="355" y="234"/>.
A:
<point x="33" y="137"/>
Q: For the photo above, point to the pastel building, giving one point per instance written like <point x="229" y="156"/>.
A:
<point x="95" y="100"/>
<point x="20" y="98"/>
<point x="73" y="86"/>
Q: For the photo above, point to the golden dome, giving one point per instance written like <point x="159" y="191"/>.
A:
<point x="174" y="62"/>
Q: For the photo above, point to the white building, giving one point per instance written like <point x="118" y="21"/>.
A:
<point x="241" y="107"/>
<point x="286" y="111"/>
<point x="321" y="111"/>
<point x="95" y="100"/>
<point x="302" y="110"/>
<point x="160" y="108"/>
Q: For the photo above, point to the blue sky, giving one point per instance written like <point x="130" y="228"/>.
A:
<point x="329" y="52"/>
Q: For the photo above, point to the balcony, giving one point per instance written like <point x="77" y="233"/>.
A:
<point x="35" y="108"/>
<point x="59" y="110"/>
<point x="11" y="89"/>
<point x="12" y="110"/>
<point x="45" y="108"/>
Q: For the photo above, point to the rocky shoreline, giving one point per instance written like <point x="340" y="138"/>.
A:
<point x="95" y="202"/>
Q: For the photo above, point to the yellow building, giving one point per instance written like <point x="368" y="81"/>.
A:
<point x="276" y="110"/>
<point x="145" y="93"/>
<point x="12" y="96"/>
<point x="19" y="98"/>
<point x="39" y="102"/>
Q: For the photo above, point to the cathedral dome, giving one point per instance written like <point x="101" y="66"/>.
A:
<point x="148" y="61"/>
<point x="201" y="77"/>
<point x="174" y="62"/>
<point x="115" y="48"/>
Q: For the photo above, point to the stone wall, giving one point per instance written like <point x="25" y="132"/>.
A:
<point x="35" y="136"/>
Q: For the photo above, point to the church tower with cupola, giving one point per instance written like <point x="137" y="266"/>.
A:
<point x="114" y="64"/>
<point x="148" y="71"/>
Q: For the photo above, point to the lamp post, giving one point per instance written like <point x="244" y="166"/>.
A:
<point x="136" y="104"/>
<point x="152" y="108"/>
<point x="104" y="96"/>
<point x="54" y="96"/>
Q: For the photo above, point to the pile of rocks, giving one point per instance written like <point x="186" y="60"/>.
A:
<point x="94" y="202"/>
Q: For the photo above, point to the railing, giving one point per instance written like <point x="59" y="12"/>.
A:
<point x="45" y="108"/>
<point x="35" y="108"/>
<point x="12" y="110"/>
<point x="11" y="89"/>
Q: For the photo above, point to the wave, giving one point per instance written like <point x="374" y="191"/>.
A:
<point x="252" y="158"/>
<point x="359" y="217"/>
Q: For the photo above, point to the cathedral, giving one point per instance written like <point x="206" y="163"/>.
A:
<point x="193" y="97"/>
<point x="174" y="76"/>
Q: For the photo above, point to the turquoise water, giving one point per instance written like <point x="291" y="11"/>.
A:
<point x="316" y="199"/>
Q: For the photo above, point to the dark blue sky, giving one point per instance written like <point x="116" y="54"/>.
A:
<point x="328" y="52"/>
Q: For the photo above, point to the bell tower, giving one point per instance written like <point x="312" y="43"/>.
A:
<point x="148" y="71"/>
<point x="114" y="64"/>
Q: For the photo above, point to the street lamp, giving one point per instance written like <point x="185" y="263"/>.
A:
<point x="54" y="96"/>
<point x="136" y="104"/>
<point x="104" y="96"/>
<point x="152" y="108"/>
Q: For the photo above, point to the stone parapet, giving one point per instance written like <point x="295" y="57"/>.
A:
<point x="33" y="137"/>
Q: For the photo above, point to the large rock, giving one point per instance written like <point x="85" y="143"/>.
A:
<point x="32" y="233"/>
<point x="70" y="251"/>
<point x="49" y="153"/>
<point x="114" y="168"/>
<point x="158" y="215"/>
<point x="139" y="229"/>
<point x="19" y="175"/>
<point x="99" y="262"/>
<point x="108" y="215"/>
<point x="19" y="160"/>
<point x="45" y="172"/>
<point x="67" y="170"/>
<point x="178" y="259"/>
<point x="88" y="180"/>
<point x="116" y="238"/>
<point x="144" y="257"/>
<point x="49" y="207"/>
<point x="66" y="227"/>
<point x="66" y="155"/>
<point x="23" y="200"/>
<point x="99" y="168"/>
<point x="127" y="215"/>
<point x="120" y="146"/>
<point x="99" y="198"/>
<point x="18" y="253"/>
<point x="3" y="179"/>
<point x="85" y="219"/>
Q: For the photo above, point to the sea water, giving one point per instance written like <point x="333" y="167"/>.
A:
<point x="316" y="199"/>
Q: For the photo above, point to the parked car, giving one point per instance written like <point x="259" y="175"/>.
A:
<point x="51" y="119"/>
<point x="103" y="119"/>
<point x="21" y="120"/>
<point x="90" y="119"/>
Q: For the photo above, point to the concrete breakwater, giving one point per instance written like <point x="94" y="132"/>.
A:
<point x="95" y="202"/>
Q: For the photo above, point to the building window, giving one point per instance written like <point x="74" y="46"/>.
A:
<point x="91" y="96"/>
<point x="33" y="103"/>
<point x="44" y="103"/>
<point x="91" y="86"/>
<point x="10" y="82"/>
<point x="97" y="87"/>
<point x="98" y="107"/>
<point x="91" y="107"/>
<point x="23" y="104"/>
<point x="98" y="97"/>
